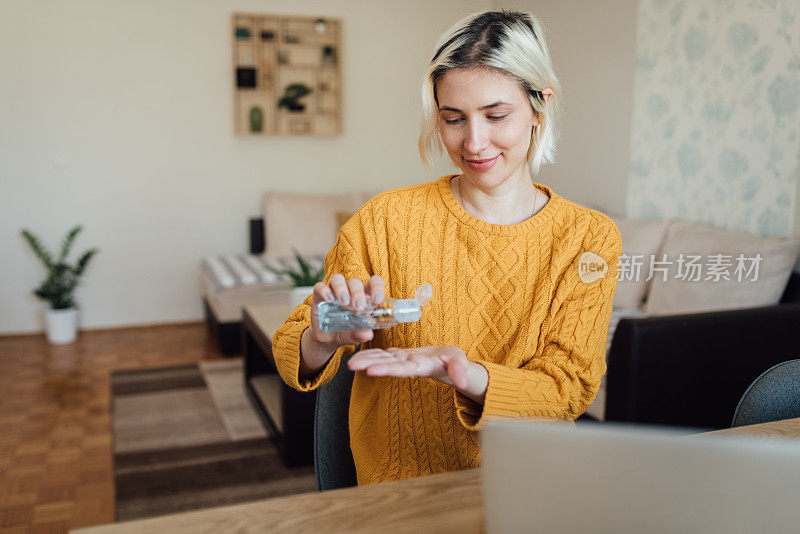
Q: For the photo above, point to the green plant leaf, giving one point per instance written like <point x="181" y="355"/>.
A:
<point x="67" y="243"/>
<point x="38" y="249"/>
<point x="84" y="261"/>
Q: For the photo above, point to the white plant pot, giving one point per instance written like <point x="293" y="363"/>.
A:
<point x="299" y="294"/>
<point x="62" y="325"/>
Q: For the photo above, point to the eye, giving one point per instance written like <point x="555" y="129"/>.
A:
<point x="494" y="118"/>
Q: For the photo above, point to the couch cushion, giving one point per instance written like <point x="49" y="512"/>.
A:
<point x="751" y="282"/>
<point x="641" y="239"/>
<point x="342" y="217"/>
<point x="225" y="271"/>
<point x="227" y="304"/>
<point x="304" y="221"/>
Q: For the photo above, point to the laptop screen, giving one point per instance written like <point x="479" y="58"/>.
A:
<point x="555" y="477"/>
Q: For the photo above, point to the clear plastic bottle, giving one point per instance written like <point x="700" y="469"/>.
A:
<point x="333" y="317"/>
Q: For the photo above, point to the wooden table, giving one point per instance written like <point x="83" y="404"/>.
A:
<point x="448" y="502"/>
<point x="287" y="413"/>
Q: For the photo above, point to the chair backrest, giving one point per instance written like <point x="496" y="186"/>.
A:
<point x="773" y="396"/>
<point x="333" y="459"/>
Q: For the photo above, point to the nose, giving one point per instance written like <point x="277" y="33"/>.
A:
<point x="476" y="140"/>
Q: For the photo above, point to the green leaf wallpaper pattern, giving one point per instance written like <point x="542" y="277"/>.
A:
<point x="716" y="121"/>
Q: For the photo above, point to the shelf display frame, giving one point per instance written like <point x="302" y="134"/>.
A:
<point x="273" y="52"/>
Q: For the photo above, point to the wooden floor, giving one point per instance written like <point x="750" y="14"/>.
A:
<point x="56" y="469"/>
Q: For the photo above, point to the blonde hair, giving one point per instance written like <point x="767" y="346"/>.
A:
<point x="512" y="43"/>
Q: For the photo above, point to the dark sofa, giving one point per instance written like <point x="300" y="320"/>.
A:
<point x="691" y="370"/>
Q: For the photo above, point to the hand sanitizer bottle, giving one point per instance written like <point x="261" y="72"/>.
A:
<point x="390" y="312"/>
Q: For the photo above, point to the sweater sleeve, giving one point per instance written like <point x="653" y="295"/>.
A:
<point x="562" y="380"/>
<point x="349" y="256"/>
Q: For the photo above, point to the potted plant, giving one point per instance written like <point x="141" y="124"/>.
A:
<point x="61" y="319"/>
<point x="303" y="279"/>
<point x="292" y="95"/>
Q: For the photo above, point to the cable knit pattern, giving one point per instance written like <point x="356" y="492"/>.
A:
<point x="510" y="296"/>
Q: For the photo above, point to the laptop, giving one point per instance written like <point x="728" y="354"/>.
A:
<point x="596" y="478"/>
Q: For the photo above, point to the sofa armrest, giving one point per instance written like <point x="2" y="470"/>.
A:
<point x="257" y="244"/>
<point x="791" y="295"/>
<point x="690" y="370"/>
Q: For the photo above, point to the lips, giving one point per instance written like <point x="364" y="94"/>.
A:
<point x="481" y="165"/>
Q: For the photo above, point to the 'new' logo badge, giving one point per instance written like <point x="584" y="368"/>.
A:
<point x="591" y="267"/>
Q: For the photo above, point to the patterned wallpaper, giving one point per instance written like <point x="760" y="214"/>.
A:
<point x="716" y="121"/>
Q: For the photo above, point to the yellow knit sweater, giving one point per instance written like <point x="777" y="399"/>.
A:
<point x="510" y="296"/>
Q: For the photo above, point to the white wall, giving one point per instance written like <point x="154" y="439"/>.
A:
<point x="135" y="98"/>
<point x="592" y="45"/>
<point x="118" y="116"/>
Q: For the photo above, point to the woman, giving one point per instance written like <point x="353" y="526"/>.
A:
<point x="515" y="328"/>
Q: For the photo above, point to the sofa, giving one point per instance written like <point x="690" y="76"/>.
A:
<point x="680" y="350"/>
<point x="307" y="223"/>
<point x="684" y="344"/>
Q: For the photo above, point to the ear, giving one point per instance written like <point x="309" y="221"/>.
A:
<point x="547" y="92"/>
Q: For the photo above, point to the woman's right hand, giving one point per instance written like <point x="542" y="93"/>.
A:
<point x="351" y="294"/>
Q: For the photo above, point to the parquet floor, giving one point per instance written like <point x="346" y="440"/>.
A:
<point x="56" y="470"/>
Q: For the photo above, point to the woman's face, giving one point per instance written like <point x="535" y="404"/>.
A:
<point x="485" y="115"/>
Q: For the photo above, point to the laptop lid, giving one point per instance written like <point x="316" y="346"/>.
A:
<point x="555" y="477"/>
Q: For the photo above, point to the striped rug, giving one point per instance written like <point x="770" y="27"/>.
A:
<point x="187" y="438"/>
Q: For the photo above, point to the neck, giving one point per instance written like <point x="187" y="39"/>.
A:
<point x="509" y="202"/>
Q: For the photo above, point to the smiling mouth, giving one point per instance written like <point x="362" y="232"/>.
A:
<point x="481" y="160"/>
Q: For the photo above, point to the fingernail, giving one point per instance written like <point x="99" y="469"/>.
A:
<point x="329" y="296"/>
<point x="345" y="299"/>
<point x="360" y="303"/>
<point x="377" y="298"/>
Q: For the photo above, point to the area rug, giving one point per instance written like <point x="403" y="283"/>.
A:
<point x="187" y="438"/>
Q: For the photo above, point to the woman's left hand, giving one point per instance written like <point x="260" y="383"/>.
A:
<point x="447" y="364"/>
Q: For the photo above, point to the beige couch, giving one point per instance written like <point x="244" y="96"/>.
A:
<point x="306" y="222"/>
<point x="690" y="262"/>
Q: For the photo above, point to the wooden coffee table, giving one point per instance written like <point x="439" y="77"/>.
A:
<point x="287" y="413"/>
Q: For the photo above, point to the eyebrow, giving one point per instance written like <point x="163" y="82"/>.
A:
<point x="498" y="103"/>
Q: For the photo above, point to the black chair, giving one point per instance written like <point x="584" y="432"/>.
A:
<point x="333" y="459"/>
<point x="773" y="396"/>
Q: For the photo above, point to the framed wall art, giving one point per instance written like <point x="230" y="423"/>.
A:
<point x="286" y="75"/>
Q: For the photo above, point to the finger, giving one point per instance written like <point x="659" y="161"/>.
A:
<point x="366" y="357"/>
<point x="355" y="337"/>
<point x="339" y="287"/>
<point x="401" y="354"/>
<point x="405" y="368"/>
<point x="370" y="353"/>
<point x="323" y="292"/>
<point x="457" y="372"/>
<point x="376" y="288"/>
<point x="365" y="363"/>
<point x="357" y="295"/>
<point x="409" y="351"/>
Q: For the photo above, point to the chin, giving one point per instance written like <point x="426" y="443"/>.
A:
<point x="489" y="179"/>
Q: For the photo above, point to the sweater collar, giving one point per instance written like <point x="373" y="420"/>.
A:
<point x="531" y="225"/>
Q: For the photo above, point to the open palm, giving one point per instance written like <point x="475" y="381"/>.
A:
<point x="447" y="364"/>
